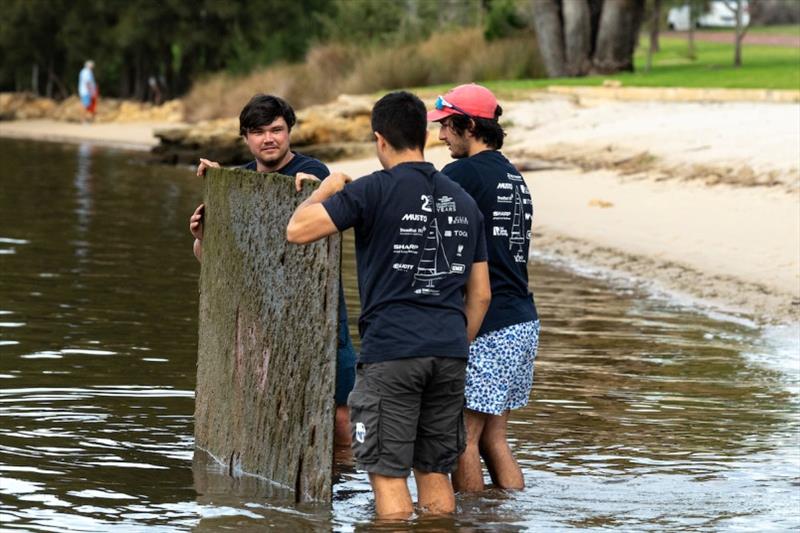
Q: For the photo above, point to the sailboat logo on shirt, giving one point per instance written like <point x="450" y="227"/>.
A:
<point x="517" y="237"/>
<point x="433" y="263"/>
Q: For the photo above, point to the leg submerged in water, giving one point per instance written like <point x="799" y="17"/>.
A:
<point x="341" y="433"/>
<point x="435" y="492"/>
<point x="469" y="476"/>
<point x="392" y="499"/>
<point x="494" y="449"/>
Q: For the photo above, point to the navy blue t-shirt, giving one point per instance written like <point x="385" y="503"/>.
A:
<point x="315" y="167"/>
<point x="417" y="235"/>
<point x="299" y="163"/>
<point x="501" y="194"/>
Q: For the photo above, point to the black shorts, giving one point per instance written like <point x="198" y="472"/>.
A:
<point x="408" y="413"/>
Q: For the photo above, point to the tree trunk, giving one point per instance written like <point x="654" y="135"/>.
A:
<point x="740" y="31"/>
<point x="616" y="38"/>
<point x="35" y="79"/>
<point x="578" y="34"/>
<point x="655" y="29"/>
<point x="654" y="23"/>
<point x="550" y="37"/>
<point x="267" y="339"/>
<point x="691" y="53"/>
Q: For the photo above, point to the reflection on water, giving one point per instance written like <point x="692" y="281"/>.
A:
<point x="645" y="414"/>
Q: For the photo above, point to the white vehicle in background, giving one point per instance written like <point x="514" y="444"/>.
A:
<point x="720" y="14"/>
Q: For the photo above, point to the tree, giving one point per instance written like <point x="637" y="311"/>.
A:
<point x="44" y="43"/>
<point x="738" y="9"/>
<point x="655" y="20"/>
<point x="580" y="37"/>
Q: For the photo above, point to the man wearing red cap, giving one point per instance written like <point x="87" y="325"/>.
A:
<point x="500" y="369"/>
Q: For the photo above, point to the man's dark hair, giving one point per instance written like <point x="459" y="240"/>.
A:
<point x="401" y="118"/>
<point x="261" y="110"/>
<point x="487" y="130"/>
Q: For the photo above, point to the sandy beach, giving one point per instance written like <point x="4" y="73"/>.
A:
<point x="131" y="135"/>
<point x="711" y="213"/>
<point x="699" y="199"/>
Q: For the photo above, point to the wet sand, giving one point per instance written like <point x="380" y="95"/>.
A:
<point x="131" y="135"/>
<point x="737" y="249"/>
<point x="697" y="199"/>
<point x="731" y="240"/>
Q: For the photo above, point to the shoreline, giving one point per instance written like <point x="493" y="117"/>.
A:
<point x="734" y="245"/>
<point x="138" y="136"/>
<point x="661" y="233"/>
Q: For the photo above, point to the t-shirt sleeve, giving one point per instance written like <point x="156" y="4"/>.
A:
<point x="480" y="246"/>
<point x="315" y="168"/>
<point x="350" y="207"/>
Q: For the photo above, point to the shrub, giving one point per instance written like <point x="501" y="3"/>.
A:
<point x="459" y="56"/>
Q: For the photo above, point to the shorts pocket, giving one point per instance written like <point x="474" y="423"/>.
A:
<point x="461" y="433"/>
<point x="365" y="420"/>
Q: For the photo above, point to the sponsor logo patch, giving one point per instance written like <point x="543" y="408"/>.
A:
<point x="453" y="220"/>
<point x="402" y="248"/>
<point x="446" y="204"/>
<point x="412" y="231"/>
<point x="498" y="231"/>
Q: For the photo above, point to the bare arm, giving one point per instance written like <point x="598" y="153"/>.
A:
<point x="478" y="296"/>
<point x="196" y="228"/>
<point x="196" y="220"/>
<point x="311" y="221"/>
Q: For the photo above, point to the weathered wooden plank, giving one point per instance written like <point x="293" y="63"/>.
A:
<point x="267" y="340"/>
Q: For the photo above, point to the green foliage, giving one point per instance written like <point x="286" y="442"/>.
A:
<point x="174" y="40"/>
<point x="504" y="19"/>
<point x="765" y="67"/>
<point x="362" y="21"/>
<point x="369" y="23"/>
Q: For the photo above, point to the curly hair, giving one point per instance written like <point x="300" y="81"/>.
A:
<point x="487" y="130"/>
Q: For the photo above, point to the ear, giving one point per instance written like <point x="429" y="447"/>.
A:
<point x="427" y="136"/>
<point x="380" y="140"/>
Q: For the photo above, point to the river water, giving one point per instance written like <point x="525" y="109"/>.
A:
<point x="646" y="413"/>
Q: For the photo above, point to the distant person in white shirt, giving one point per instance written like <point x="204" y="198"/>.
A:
<point x="87" y="90"/>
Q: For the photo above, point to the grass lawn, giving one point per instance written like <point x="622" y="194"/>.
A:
<point x="778" y="29"/>
<point x="764" y="67"/>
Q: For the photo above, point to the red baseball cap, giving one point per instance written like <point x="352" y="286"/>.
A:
<point x="471" y="99"/>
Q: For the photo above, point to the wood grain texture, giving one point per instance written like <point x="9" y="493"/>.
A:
<point x="267" y="336"/>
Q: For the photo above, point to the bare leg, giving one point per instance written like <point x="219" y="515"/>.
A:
<point x="392" y="499"/>
<point x="341" y="431"/>
<point x="435" y="492"/>
<point x="469" y="476"/>
<point x="494" y="448"/>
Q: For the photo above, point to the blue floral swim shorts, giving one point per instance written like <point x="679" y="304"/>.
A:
<point x="500" y="368"/>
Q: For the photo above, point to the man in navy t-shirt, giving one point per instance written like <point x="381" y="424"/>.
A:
<point x="265" y="124"/>
<point x="424" y="285"/>
<point x="500" y="371"/>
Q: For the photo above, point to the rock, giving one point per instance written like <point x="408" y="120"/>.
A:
<point x="337" y="130"/>
<point x="25" y="106"/>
